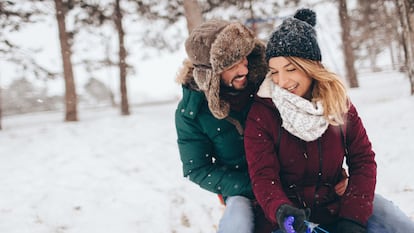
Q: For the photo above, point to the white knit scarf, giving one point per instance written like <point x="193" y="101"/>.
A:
<point x="300" y="116"/>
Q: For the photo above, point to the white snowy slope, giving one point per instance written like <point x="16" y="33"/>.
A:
<point x="108" y="173"/>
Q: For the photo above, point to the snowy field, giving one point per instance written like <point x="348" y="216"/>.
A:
<point x="108" y="173"/>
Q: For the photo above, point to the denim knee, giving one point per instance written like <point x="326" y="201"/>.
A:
<point x="238" y="216"/>
<point x="387" y="218"/>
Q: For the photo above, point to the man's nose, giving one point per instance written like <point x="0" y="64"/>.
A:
<point x="242" y="69"/>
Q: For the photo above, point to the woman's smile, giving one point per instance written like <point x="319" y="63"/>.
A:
<point x="292" y="88"/>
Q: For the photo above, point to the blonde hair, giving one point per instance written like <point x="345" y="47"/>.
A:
<point x="327" y="88"/>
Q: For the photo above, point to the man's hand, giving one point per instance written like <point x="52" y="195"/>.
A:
<point x="341" y="186"/>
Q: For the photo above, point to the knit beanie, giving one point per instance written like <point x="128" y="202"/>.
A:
<point x="295" y="37"/>
<point x="216" y="45"/>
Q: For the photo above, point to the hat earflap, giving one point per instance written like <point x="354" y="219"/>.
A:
<point x="202" y="77"/>
<point x="209" y="83"/>
<point x="219" y="108"/>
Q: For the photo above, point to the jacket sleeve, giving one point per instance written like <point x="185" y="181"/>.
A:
<point x="357" y="202"/>
<point x="263" y="161"/>
<point x="197" y="156"/>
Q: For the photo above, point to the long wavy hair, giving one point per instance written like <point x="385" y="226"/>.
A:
<point x="327" y="88"/>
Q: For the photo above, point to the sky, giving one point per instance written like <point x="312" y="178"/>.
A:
<point x="111" y="173"/>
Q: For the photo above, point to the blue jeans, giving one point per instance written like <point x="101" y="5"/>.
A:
<point x="386" y="218"/>
<point x="238" y="216"/>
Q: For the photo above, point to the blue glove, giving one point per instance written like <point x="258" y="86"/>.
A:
<point x="288" y="224"/>
<point x="292" y="219"/>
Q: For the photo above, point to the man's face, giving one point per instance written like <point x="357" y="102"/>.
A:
<point x="236" y="75"/>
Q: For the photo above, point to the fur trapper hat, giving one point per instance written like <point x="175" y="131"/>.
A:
<point x="295" y="37"/>
<point x="213" y="47"/>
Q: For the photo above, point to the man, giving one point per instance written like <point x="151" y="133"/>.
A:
<point x="225" y="66"/>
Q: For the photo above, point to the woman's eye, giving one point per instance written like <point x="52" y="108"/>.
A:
<point x="291" y="70"/>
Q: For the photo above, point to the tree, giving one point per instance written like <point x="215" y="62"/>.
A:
<point x="99" y="91"/>
<point x="23" y="96"/>
<point x="98" y="15"/>
<point x="172" y="11"/>
<point x="375" y="32"/>
<point x="122" y="59"/>
<point x="347" y="46"/>
<point x="13" y="18"/>
<point x="404" y="7"/>
<point x="70" y="90"/>
<point x="1" y="108"/>
<point x="193" y="15"/>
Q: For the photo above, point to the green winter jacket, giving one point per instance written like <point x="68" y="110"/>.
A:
<point x="212" y="150"/>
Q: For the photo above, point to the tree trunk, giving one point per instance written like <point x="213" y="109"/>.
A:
<point x="392" y="55"/>
<point x="70" y="93"/>
<point x="408" y="47"/>
<point x="1" y="108"/>
<point x="410" y="21"/>
<point x="122" y="59"/>
<point x="349" y="56"/>
<point x="253" y="27"/>
<point x="192" y="12"/>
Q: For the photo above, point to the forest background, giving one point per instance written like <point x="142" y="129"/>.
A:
<point x="67" y="55"/>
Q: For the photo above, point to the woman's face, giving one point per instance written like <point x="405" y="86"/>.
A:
<point x="287" y="76"/>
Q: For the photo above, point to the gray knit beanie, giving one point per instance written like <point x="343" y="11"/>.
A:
<point x="295" y="37"/>
<point x="216" y="45"/>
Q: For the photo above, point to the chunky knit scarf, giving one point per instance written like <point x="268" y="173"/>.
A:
<point x="300" y="117"/>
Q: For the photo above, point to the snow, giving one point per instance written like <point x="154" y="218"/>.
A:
<point x="106" y="173"/>
<point x="111" y="173"/>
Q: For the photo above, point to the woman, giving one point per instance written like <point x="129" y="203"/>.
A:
<point x="299" y="132"/>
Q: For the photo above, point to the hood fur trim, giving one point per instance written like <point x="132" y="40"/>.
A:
<point x="265" y="90"/>
<point x="185" y="75"/>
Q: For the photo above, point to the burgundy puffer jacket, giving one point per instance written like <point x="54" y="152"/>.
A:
<point x="286" y="169"/>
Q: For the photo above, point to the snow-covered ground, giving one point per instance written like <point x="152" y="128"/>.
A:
<point x="109" y="173"/>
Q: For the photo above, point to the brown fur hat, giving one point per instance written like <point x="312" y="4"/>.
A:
<point x="213" y="47"/>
